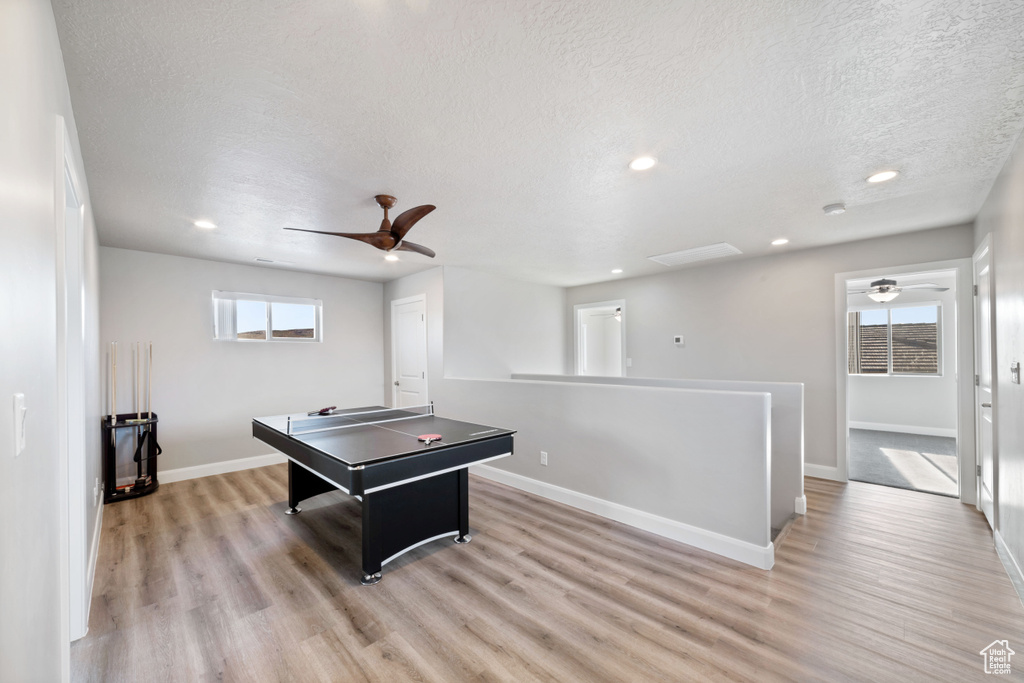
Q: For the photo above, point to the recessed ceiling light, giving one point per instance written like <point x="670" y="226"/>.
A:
<point x="882" y="176"/>
<point x="260" y="259"/>
<point x="642" y="163"/>
<point x="204" y="224"/>
<point x="779" y="242"/>
<point x="834" y="209"/>
<point x="391" y="257"/>
<point x="616" y="271"/>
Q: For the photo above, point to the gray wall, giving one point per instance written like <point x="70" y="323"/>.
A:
<point x="34" y="92"/>
<point x="496" y="326"/>
<point x="1003" y="216"/>
<point x="206" y="392"/>
<point x="763" y="319"/>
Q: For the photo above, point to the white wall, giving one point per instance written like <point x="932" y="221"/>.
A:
<point x="1003" y="216"/>
<point x="762" y="319"/>
<point x="34" y="93"/>
<point x="496" y="326"/>
<point x="621" y="445"/>
<point x="206" y="392"/>
<point x="921" y="405"/>
<point x="787" y="430"/>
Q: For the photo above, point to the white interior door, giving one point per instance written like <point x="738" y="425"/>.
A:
<point x="983" y="389"/>
<point x="71" y="392"/>
<point x="409" y="351"/>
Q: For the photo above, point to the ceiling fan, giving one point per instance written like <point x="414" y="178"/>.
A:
<point x="617" y="314"/>
<point x="886" y="290"/>
<point x="391" y="236"/>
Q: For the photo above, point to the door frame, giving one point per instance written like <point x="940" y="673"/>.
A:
<point x="986" y="246"/>
<point x="576" y="310"/>
<point x="75" y="576"/>
<point x="394" y="346"/>
<point x="966" y="450"/>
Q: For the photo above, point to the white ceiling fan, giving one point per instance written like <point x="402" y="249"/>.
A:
<point x="885" y="290"/>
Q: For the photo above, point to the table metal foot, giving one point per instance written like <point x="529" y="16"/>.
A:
<point x="370" y="579"/>
<point x="293" y="511"/>
<point x="464" y="539"/>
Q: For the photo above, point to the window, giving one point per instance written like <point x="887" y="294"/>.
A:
<point x="259" y="317"/>
<point x="899" y="340"/>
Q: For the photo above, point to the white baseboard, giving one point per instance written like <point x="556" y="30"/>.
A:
<point x="222" y="467"/>
<point x="1010" y="563"/>
<point x="904" y="429"/>
<point x="800" y="507"/>
<point x="742" y="551"/>
<point x="822" y="472"/>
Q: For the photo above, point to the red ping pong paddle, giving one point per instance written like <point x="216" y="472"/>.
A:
<point x="428" y="438"/>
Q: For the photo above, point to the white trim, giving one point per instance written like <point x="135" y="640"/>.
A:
<point x="800" y="505"/>
<point x="222" y="467"/>
<point x="434" y="474"/>
<point x="984" y="250"/>
<point x="733" y="548"/>
<point x="1010" y="564"/>
<point x="394" y="347"/>
<point x="423" y="542"/>
<point x="904" y="429"/>
<point x="822" y="472"/>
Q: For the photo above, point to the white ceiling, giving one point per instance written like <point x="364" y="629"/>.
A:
<point x="518" y="118"/>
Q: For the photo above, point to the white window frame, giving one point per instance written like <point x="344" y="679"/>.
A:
<point x="224" y="317"/>
<point x="888" y="308"/>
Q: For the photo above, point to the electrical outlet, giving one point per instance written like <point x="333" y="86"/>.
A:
<point x="544" y="458"/>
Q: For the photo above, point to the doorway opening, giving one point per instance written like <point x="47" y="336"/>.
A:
<point x="902" y="391"/>
<point x="600" y="331"/>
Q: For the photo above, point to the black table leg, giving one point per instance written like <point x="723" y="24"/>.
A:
<point x="402" y="517"/>
<point x="303" y="484"/>
<point x="464" y="536"/>
<point x="372" y="517"/>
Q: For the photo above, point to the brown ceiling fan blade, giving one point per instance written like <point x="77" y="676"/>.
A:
<point x="381" y="240"/>
<point x="407" y="219"/>
<point x="419" y="249"/>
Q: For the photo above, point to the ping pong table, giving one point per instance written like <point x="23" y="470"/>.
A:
<point x="413" y="490"/>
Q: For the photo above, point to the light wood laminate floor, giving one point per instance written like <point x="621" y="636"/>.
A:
<point x="209" y="580"/>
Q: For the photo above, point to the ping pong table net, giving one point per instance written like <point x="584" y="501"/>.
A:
<point x="310" y="424"/>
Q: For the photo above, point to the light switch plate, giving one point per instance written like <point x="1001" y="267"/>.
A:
<point x="20" y="413"/>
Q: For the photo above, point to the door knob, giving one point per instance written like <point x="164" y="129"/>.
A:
<point x="986" y="405"/>
<point x="396" y="383"/>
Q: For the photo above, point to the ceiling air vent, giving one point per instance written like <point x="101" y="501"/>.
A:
<point x="711" y="251"/>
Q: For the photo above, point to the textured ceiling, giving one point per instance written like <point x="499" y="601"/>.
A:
<point x="518" y="119"/>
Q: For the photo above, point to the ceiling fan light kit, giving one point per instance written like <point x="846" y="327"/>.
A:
<point x="885" y="290"/>
<point x="390" y="236"/>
